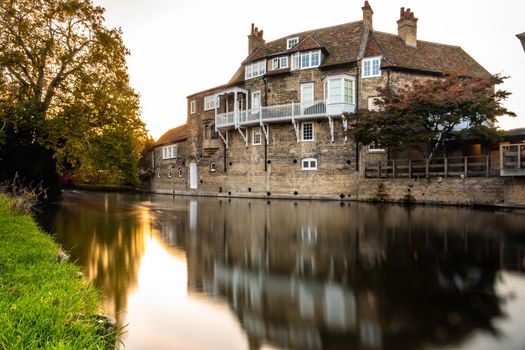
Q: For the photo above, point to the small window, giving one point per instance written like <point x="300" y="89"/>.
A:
<point x="309" y="164"/>
<point x="307" y="131"/>
<point x="212" y="167"/>
<point x="193" y="106"/>
<point x="256" y="136"/>
<point x="375" y="147"/>
<point x="290" y="43"/>
<point x="158" y="173"/>
<point x="280" y="62"/>
<point x="169" y="152"/>
<point x="180" y="172"/>
<point x="169" y="173"/>
<point x="371" y="67"/>
<point x="210" y="102"/>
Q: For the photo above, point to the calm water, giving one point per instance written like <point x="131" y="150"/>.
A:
<point x="187" y="273"/>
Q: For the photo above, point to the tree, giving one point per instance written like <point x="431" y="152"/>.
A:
<point x="64" y="90"/>
<point x="424" y="114"/>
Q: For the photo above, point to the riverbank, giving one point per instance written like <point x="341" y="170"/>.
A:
<point x="43" y="303"/>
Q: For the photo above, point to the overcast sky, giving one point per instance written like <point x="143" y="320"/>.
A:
<point x="180" y="47"/>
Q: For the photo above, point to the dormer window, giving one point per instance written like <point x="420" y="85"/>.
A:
<point x="292" y="42"/>
<point x="255" y="69"/>
<point x="372" y="67"/>
<point x="307" y="59"/>
<point x="280" y="62"/>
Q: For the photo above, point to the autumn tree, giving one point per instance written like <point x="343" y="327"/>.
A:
<point x="424" y="114"/>
<point x="65" y="99"/>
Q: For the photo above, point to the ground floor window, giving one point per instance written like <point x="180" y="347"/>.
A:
<point x="309" y="164"/>
<point x="212" y="166"/>
<point x="375" y="147"/>
<point x="180" y="172"/>
<point x="256" y="136"/>
<point x="307" y="131"/>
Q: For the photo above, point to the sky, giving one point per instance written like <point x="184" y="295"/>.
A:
<point x="180" y="47"/>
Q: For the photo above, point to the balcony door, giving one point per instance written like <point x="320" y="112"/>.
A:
<point x="307" y="97"/>
<point x="193" y="176"/>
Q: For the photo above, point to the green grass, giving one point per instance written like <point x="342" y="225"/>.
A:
<point x="43" y="303"/>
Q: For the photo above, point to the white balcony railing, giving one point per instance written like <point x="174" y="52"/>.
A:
<point x="280" y="113"/>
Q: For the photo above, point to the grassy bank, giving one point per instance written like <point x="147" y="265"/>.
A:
<point x="43" y="303"/>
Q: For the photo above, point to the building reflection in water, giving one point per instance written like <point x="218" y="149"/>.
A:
<point x="306" y="275"/>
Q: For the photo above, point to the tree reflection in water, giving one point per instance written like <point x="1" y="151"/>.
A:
<point x="310" y="275"/>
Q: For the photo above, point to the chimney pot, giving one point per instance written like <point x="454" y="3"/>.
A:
<point x="255" y="39"/>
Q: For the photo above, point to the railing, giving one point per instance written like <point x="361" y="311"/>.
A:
<point x="474" y="166"/>
<point x="285" y="112"/>
<point x="512" y="160"/>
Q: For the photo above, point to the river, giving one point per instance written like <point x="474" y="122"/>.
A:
<point x="209" y="273"/>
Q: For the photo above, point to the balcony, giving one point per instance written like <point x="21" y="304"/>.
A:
<point x="291" y="112"/>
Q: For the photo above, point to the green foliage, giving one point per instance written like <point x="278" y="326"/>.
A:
<point x="426" y="112"/>
<point x="64" y="86"/>
<point x="43" y="304"/>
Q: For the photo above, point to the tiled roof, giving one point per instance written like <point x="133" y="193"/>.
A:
<point x="427" y="56"/>
<point x="180" y="133"/>
<point x="342" y="44"/>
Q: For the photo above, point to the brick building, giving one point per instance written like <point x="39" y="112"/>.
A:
<point x="277" y="127"/>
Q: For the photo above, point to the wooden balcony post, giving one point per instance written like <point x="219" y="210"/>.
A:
<point x="394" y="169"/>
<point x="487" y="166"/>
<point x="466" y="167"/>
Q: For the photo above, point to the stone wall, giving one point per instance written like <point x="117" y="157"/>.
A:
<point x="456" y="191"/>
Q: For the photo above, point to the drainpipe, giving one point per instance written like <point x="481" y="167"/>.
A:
<point x="357" y="109"/>
<point x="265" y="142"/>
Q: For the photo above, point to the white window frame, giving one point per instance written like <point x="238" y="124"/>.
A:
<point x="256" y="96"/>
<point x="255" y="69"/>
<point x="193" y="107"/>
<point x="368" y="66"/>
<point x="158" y="173"/>
<point x="280" y="62"/>
<point x="291" y="42"/>
<point x="302" y="132"/>
<point x="296" y="61"/>
<point x="306" y="63"/>
<point x="169" y="152"/>
<point x="342" y="78"/>
<point x="256" y="131"/>
<point x="308" y="162"/>
<point x="210" y="102"/>
<point x="213" y="167"/>
<point x="180" y="172"/>
<point x="373" y="148"/>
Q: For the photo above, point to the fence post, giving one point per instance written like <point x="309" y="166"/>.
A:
<point x="466" y="167"/>
<point x="446" y="166"/>
<point x="394" y="169"/>
<point x="410" y="168"/>
<point x="427" y="162"/>
<point x="378" y="169"/>
<point x="487" y="166"/>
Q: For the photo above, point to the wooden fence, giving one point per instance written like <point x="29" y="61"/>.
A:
<point x="475" y="166"/>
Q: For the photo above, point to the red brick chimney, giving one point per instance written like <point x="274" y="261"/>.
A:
<point x="255" y="39"/>
<point x="367" y="14"/>
<point x="407" y="27"/>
